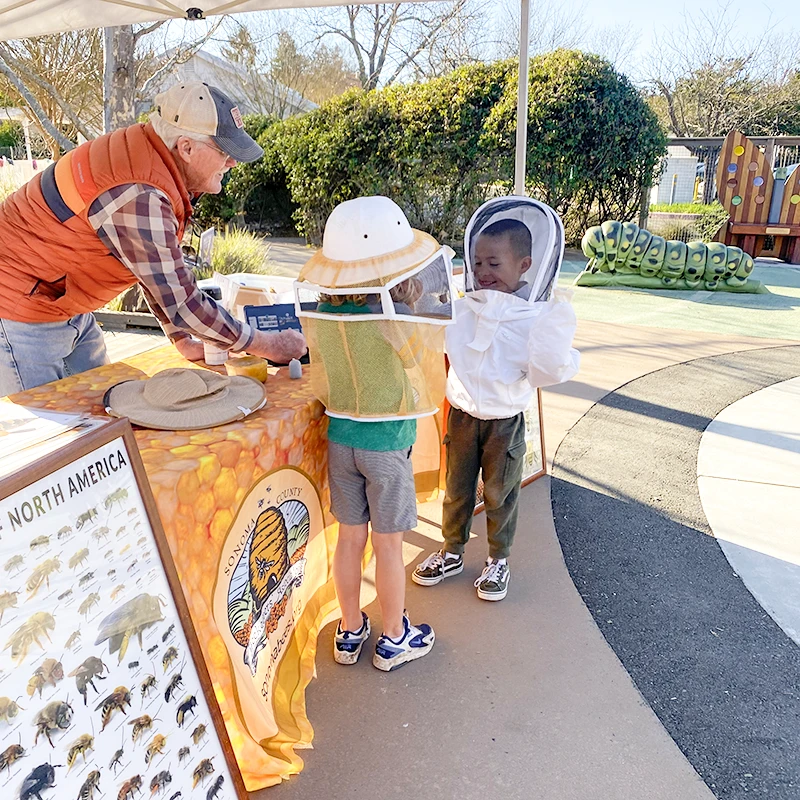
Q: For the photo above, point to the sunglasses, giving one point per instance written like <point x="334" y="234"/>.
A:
<point x="214" y="147"/>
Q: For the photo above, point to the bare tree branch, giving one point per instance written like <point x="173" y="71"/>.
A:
<point x="41" y="117"/>
<point x="50" y="89"/>
<point x="148" y="29"/>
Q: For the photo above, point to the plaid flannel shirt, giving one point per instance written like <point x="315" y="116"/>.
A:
<point x="137" y="224"/>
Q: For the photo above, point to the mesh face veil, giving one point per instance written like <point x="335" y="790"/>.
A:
<point x="547" y="241"/>
<point x="376" y="337"/>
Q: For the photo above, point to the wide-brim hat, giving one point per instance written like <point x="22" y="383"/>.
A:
<point x="367" y="242"/>
<point x="182" y="399"/>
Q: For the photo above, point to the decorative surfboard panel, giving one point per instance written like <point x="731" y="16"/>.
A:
<point x="790" y="206"/>
<point x="744" y="180"/>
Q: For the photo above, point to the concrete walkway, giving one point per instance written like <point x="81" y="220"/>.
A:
<point x="748" y="471"/>
<point x="526" y="698"/>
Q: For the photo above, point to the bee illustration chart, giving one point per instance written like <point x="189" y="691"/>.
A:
<point x="99" y="695"/>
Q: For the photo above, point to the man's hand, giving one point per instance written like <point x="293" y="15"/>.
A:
<point x="280" y="347"/>
<point x="190" y="349"/>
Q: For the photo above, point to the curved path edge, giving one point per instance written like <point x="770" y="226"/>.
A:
<point x="712" y="664"/>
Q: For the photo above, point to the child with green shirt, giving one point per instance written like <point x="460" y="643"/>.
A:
<point x="371" y="366"/>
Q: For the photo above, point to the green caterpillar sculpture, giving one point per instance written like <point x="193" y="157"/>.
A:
<point x="623" y="254"/>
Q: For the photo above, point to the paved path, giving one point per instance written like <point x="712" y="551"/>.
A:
<point x="660" y="675"/>
<point x="748" y="471"/>
<point x="715" y="668"/>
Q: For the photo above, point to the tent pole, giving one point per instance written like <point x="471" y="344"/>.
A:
<point x="522" y="98"/>
<point x="108" y="76"/>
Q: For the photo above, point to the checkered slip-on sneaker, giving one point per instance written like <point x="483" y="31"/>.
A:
<point x="347" y="644"/>
<point x="494" y="580"/>
<point x="416" y="641"/>
<point x="436" y="567"/>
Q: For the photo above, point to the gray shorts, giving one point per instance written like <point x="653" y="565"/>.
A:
<point x="371" y="485"/>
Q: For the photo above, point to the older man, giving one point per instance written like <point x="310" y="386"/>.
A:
<point x="110" y="214"/>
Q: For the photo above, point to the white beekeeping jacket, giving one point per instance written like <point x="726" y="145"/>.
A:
<point x="504" y="346"/>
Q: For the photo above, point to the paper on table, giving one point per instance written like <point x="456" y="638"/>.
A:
<point x="22" y="427"/>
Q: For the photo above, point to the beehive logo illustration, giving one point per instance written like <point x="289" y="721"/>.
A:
<point x="271" y="566"/>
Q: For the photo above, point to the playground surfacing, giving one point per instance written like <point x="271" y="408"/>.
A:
<point x="759" y="315"/>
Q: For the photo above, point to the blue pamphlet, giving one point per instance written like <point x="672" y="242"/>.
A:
<point x="279" y="317"/>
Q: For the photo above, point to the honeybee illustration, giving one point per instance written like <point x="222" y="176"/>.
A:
<point x="79" y="558"/>
<point x="91" y="783"/>
<point x="130" y="619"/>
<point x="49" y="672"/>
<point x="79" y="747"/>
<point x="14" y="564"/>
<point x="9" y="709"/>
<point x="88" y="604"/>
<point x="32" y="630"/>
<point x="41" y="574"/>
<point x="176" y="682"/>
<point x="87" y="516"/>
<point x="10" y="755"/>
<point x="202" y="771"/>
<point x="147" y="684"/>
<point x="156" y="747"/>
<point x="116" y="701"/>
<point x="85" y="675"/>
<point x="53" y="717"/>
<point x="140" y="725"/>
<point x="198" y="733"/>
<point x="170" y="654"/>
<point x="7" y="600"/>
<point x="73" y="639"/>
<point x="160" y="782"/>
<point x="130" y="787"/>
<point x="118" y="496"/>
<point x="187" y="706"/>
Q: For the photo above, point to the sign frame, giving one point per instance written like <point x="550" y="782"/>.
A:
<point x="64" y="457"/>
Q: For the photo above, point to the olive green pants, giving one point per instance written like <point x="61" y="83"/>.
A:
<point x="495" y="447"/>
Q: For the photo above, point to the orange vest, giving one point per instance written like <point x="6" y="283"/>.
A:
<point x="53" y="265"/>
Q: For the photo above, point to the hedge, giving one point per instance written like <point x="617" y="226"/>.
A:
<point x="440" y="148"/>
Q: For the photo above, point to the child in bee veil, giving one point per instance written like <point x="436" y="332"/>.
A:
<point x="376" y="343"/>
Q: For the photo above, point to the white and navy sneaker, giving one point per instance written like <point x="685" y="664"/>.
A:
<point x="416" y="641"/>
<point x="347" y="644"/>
<point x="494" y="580"/>
<point x="436" y="567"/>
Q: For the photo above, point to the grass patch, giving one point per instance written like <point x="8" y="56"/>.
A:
<point x="238" y="251"/>
<point x="679" y="208"/>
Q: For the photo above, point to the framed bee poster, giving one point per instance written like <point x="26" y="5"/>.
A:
<point x="103" y="689"/>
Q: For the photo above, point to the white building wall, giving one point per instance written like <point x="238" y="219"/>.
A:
<point x="680" y="171"/>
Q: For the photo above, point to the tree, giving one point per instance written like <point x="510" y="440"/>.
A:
<point x="390" y="39"/>
<point x="593" y="142"/>
<point x="555" y="25"/>
<point x="705" y="80"/>
<point x="10" y="134"/>
<point x="440" y="148"/>
<point x="59" y="79"/>
<point x="277" y="65"/>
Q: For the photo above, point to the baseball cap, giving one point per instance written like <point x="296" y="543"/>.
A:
<point x="199" y="108"/>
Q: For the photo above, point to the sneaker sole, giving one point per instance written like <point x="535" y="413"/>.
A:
<point x="390" y="664"/>
<point x="491" y="596"/>
<point x="418" y="579"/>
<point x="343" y="657"/>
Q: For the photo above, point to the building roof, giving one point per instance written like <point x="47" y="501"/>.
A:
<point x="237" y="82"/>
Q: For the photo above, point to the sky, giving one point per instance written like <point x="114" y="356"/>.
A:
<point x="639" y="24"/>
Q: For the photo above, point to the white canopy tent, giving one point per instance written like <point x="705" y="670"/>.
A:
<point x="24" y="18"/>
